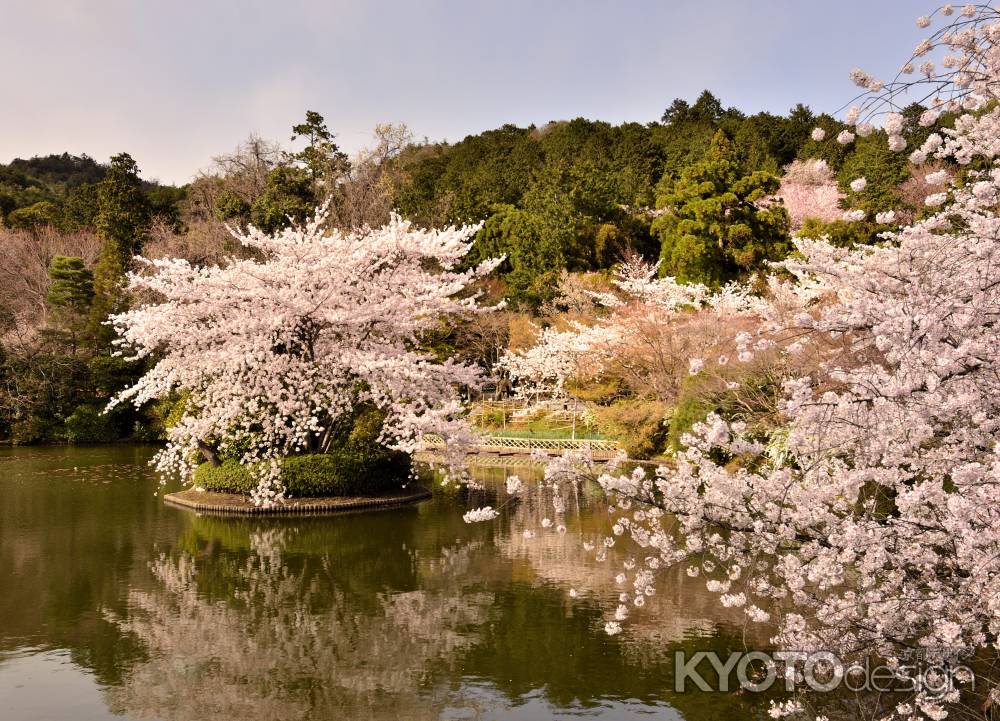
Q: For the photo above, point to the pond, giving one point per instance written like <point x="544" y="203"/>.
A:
<point x="113" y="605"/>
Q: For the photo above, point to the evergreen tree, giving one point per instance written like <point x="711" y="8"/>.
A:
<point x="288" y="197"/>
<point x="123" y="217"/>
<point x="707" y="108"/>
<point x="534" y="255"/>
<point x="123" y="212"/>
<point x="321" y="157"/>
<point x="69" y="297"/>
<point x="883" y="169"/>
<point x="677" y="112"/>
<point x="567" y="204"/>
<point x="33" y="216"/>
<point x="79" y="210"/>
<point x="714" y="226"/>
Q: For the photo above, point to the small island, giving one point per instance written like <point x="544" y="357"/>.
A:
<point x="308" y="369"/>
<point x="358" y="474"/>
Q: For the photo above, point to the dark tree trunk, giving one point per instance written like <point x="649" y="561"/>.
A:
<point x="210" y="455"/>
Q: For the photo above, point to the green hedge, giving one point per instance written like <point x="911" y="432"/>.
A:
<point x="341" y="472"/>
<point x="88" y="424"/>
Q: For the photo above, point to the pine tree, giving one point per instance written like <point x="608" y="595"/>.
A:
<point x="321" y="157"/>
<point x="69" y="298"/>
<point x="715" y="224"/>
<point x="123" y="217"/>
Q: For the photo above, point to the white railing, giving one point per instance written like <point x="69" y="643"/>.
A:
<point x="509" y="445"/>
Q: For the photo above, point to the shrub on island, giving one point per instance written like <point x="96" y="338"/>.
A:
<point x="341" y="472"/>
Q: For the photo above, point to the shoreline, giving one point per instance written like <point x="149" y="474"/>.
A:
<point x="211" y="502"/>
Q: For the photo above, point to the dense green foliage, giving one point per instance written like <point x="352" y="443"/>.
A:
<point x="714" y="226"/>
<point x="842" y="233"/>
<point x="342" y="472"/>
<point x="579" y="194"/>
<point x="690" y="190"/>
<point x="59" y="393"/>
<point x="61" y="190"/>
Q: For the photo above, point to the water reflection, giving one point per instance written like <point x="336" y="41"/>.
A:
<point x="682" y="609"/>
<point x="408" y="614"/>
<point x="269" y="635"/>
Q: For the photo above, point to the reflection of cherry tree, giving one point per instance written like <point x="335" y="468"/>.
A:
<point x="298" y="619"/>
<point x="678" y="609"/>
<point x="289" y="645"/>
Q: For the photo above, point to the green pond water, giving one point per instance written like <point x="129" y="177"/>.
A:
<point x="113" y="605"/>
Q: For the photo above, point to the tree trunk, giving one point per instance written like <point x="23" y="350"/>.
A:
<point x="210" y="455"/>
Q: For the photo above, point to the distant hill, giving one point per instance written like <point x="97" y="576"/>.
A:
<point x="59" y="190"/>
<point x="66" y="171"/>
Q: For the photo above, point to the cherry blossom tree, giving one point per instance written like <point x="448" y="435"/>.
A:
<point x="868" y="523"/>
<point x="808" y="190"/>
<point x="276" y="351"/>
<point x="560" y="355"/>
<point x="652" y="325"/>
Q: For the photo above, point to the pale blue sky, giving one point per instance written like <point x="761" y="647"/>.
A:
<point x="175" y="82"/>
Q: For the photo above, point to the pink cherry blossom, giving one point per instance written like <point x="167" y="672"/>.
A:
<point x="808" y="190"/>
<point x="272" y="350"/>
<point x="867" y="521"/>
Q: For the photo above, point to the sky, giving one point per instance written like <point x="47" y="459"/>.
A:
<point x="176" y="82"/>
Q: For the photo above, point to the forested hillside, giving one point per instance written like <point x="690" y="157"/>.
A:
<point x="710" y="192"/>
<point x="582" y="194"/>
<point x="61" y="191"/>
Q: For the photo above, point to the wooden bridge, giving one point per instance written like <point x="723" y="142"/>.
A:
<point x="600" y="449"/>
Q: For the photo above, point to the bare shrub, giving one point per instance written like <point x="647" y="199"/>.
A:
<point x="24" y="271"/>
